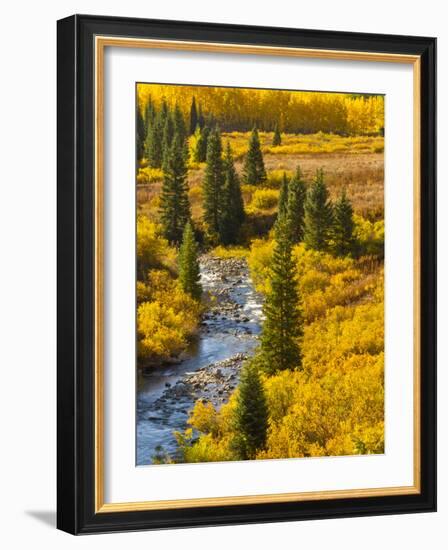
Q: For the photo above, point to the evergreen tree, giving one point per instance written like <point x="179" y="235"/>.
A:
<point x="295" y="215"/>
<point x="213" y="183"/>
<point x="277" y="139"/>
<point x="154" y="141"/>
<point x="201" y="118"/>
<point x="150" y="114"/>
<point x="253" y="170"/>
<point x="193" y="116"/>
<point x="282" y="206"/>
<point x="233" y="206"/>
<point x="164" y="110"/>
<point x="189" y="272"/>
<point x="168" y="134"/>
<point x="251" y="413"/>
<point x="200" y="149"/>
<point x="179" y="124"/>
<point x="140" y="133"/>
<point x="283" y="197"/>
<point x="283" y="326"/>
<point x="174" y="203"/>
<point x="343" y="226"/>
<point x="318" y="215"/>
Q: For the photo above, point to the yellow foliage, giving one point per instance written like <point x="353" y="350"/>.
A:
<point x="370" y="236"/>
<point x="259" y="260"/>
<point x="338" y="410"/>
<point x="230" y="252"/>
<point x="204" y="418"/>
<point x="215" y="443"/>
<point x="166" y="317"/>
<point x="275" y="177"/>
<point x="335" y="405"/>
<point x="324" y="281"/>
<point x="263" y="199"/>
<point x="149" y="175"/>
<point x="331" y="113"/>
<point x="153" y="251"/>
<point x="162" y="333"/>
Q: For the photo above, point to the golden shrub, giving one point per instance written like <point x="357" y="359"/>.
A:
<point x="167" y="317"/>
<point x="264" y="199"/>
<point x="153" y="251"/>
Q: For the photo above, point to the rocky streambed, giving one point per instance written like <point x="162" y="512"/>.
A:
<point x="210" y="370"/>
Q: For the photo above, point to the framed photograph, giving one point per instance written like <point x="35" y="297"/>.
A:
<point x="246" y="274"/>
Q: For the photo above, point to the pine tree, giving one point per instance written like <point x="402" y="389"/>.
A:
<point x="212" y="185"/>
<point x="193" y="116"/>
<point x="180" y="127"/>
<point x="200" y="149"/>
<point x="164" y="110"/>
<point x="140" y="133"/>
<point x="318" y="215"/>
<point x="233" y="206"/>
<point x="343" y="226"/>
<point x="277" y="139"/>
<point x="251" y="413"/>
<point x="283" y="326"/>
<point x="168" y="134"/>
<point x="201" y="118"/>
<point x="295" y="215"/>
<point x="253" y="171"/>
<point x="150" y="114"/>
<point x="283" y="197"/>
<point x="174" y="203"/>
<point x="154" y="141"/>
<point x="282" y="205"/>
<point x="189" y="272"/>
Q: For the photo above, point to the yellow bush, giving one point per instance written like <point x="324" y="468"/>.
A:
<point x="153" y="251"/>
<point x="204" y="418"/>
<point x="215" y="428"/>
<point x="161" y="330"/>
<point x="341" y="412"/>
<point x="338" y="410"/>
<point x="259" y="260"/>
<point x="275" y="177"/>
<point x="370" y="236"/>
<point x="264" y="199"/>
<point x="166" y="317"/>
<point x="149" y="175"/>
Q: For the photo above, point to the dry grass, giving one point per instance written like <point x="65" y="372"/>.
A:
<point x="358" y="169"/>
<point x="362" y="176"/>
<point x="306" y="144"/>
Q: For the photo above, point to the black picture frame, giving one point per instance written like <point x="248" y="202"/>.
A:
<point x="76" y="265"/>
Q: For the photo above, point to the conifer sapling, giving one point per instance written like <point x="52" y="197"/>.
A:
<point x="189" y="271"/>
<point x="251" y="413"/>
<point x="318" y="215"/>
<point x="174" y="203"/>
<point x="343" y="226"/>
<point x="254" y="171"/>
<point x="277" y="139"/>
<point x="283" y="326"/>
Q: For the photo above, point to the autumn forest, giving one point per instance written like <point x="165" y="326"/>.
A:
<point x="260" y="291"/>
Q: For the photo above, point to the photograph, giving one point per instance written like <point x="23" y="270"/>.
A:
<point x="246" y="260"/>
<point x="259" y="274"/>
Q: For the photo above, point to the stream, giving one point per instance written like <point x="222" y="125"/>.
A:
<point x="210" y="371"/>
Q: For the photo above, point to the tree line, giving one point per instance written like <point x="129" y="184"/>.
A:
<point x="238" y="109"/>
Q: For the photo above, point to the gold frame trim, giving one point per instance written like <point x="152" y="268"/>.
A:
<point x="101" y="42"/>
